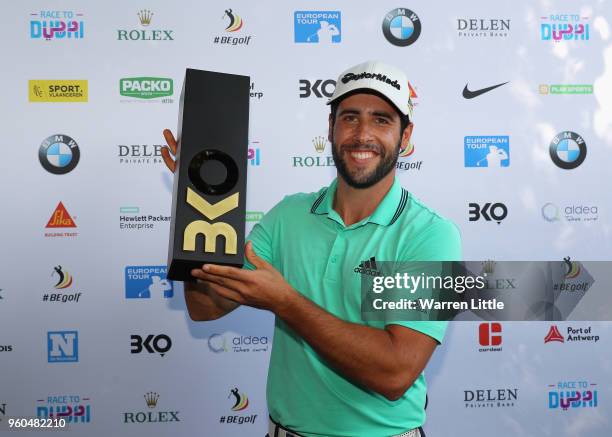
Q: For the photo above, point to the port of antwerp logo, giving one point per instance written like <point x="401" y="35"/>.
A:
<point x="554" y="335"/>
<point x="241" y="400"/>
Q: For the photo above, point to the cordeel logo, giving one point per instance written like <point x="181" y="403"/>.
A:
<point x="401" y="27"/>
<point x="59" y="154"/>
<point x="141" y="282"/>
<point x="62" y="346"/>
<point x="487" y="151"/>
<point x="146" y="87"/>
<point x="323" y="27"/>
<point x="567" y="150"/>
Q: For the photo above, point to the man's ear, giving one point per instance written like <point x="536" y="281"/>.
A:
<point x="407" y="134"/>
<point x="330" y="129"/>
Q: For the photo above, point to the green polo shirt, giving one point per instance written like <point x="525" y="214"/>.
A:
<point x="308" y="243"/>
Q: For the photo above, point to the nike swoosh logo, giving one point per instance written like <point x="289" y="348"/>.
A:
<point x="471" y="94"/>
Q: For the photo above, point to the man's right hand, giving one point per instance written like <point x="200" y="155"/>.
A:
<point x="170" y="150"/>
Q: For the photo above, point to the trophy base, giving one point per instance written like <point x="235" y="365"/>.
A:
<point x="180" y="269"/>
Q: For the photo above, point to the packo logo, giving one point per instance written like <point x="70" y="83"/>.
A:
<point x="210" y="231"/>
<point x="146" y="87"/>
<point x="489" y="211"/>
<point x="320" y="88"/>
<point x="152" y="344"/>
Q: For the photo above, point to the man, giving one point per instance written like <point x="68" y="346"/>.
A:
<point x="331" y="373"/>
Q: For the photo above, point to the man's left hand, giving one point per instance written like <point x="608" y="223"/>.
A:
<point x="263" y="288"/>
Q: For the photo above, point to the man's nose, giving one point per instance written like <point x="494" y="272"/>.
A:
<point x="363" y="133"/>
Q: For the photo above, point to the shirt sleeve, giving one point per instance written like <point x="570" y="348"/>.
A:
<point x="262" y="236"/>
<point x="441" y="241"/>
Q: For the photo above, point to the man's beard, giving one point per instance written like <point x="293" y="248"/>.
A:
<point x="363" y="179"/>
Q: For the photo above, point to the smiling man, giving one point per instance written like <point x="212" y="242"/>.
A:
<point x="331" y="373"/>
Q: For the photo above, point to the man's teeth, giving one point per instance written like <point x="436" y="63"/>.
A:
<point x="362" y="155"/>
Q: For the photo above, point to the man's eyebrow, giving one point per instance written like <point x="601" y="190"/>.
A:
<point x="384" y="114"/>
<point x="349" y="111"/>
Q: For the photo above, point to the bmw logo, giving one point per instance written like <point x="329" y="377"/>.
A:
<point x="567" y="150"/>
<point x="59" y="154"/>
<point x="401" y="27"/>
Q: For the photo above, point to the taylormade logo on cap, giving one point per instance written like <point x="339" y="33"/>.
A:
<point x="388" y="81"/>
<point x="365" y="75"/>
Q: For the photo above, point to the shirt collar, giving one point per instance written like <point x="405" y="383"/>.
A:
<point x="386" y="213"/>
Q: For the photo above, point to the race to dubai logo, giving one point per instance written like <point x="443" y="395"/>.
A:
<point x="50" y="25"/>
<point x="566" y="395"/>
<point x="73" y="408"/>
<point x="401" y="27"/>
<point x="564" y="27"/>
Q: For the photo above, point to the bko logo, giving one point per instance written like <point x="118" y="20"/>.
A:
<point x="210" y="231"/>
<point x="152" y="343"/>
<point x="489" y="211"/>
<point x="62" y="346"/>
<point x="320" y="88"/>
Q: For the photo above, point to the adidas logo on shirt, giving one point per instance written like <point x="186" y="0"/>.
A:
<point x="368" y="268"/>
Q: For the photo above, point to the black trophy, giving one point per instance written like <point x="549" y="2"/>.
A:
<point x="209" y="192"/>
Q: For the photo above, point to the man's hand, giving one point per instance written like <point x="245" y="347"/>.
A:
<point x="170" y="150"/>
<point x="263" y="288"/>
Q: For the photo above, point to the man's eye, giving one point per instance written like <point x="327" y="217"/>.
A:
<point x="382" y="121"/>
<point x="350" y="118"/>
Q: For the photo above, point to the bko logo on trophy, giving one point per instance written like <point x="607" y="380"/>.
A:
<point x="209" y="192"/>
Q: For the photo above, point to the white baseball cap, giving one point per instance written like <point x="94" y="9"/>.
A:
<point x="383" y="78"/>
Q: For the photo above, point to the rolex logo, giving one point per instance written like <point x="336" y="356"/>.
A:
<point x="488" y="267"/>
<point x="151" y="399"/>
<point x="145" y="17"/>
<point x="319" y="143"/>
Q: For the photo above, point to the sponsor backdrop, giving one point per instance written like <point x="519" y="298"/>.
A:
<point x="512" y="141"/>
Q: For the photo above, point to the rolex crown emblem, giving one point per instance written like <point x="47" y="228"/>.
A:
<point x="319" y="143"/>
<point x="145" y="17"/>
<point x="151" y="399"/>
